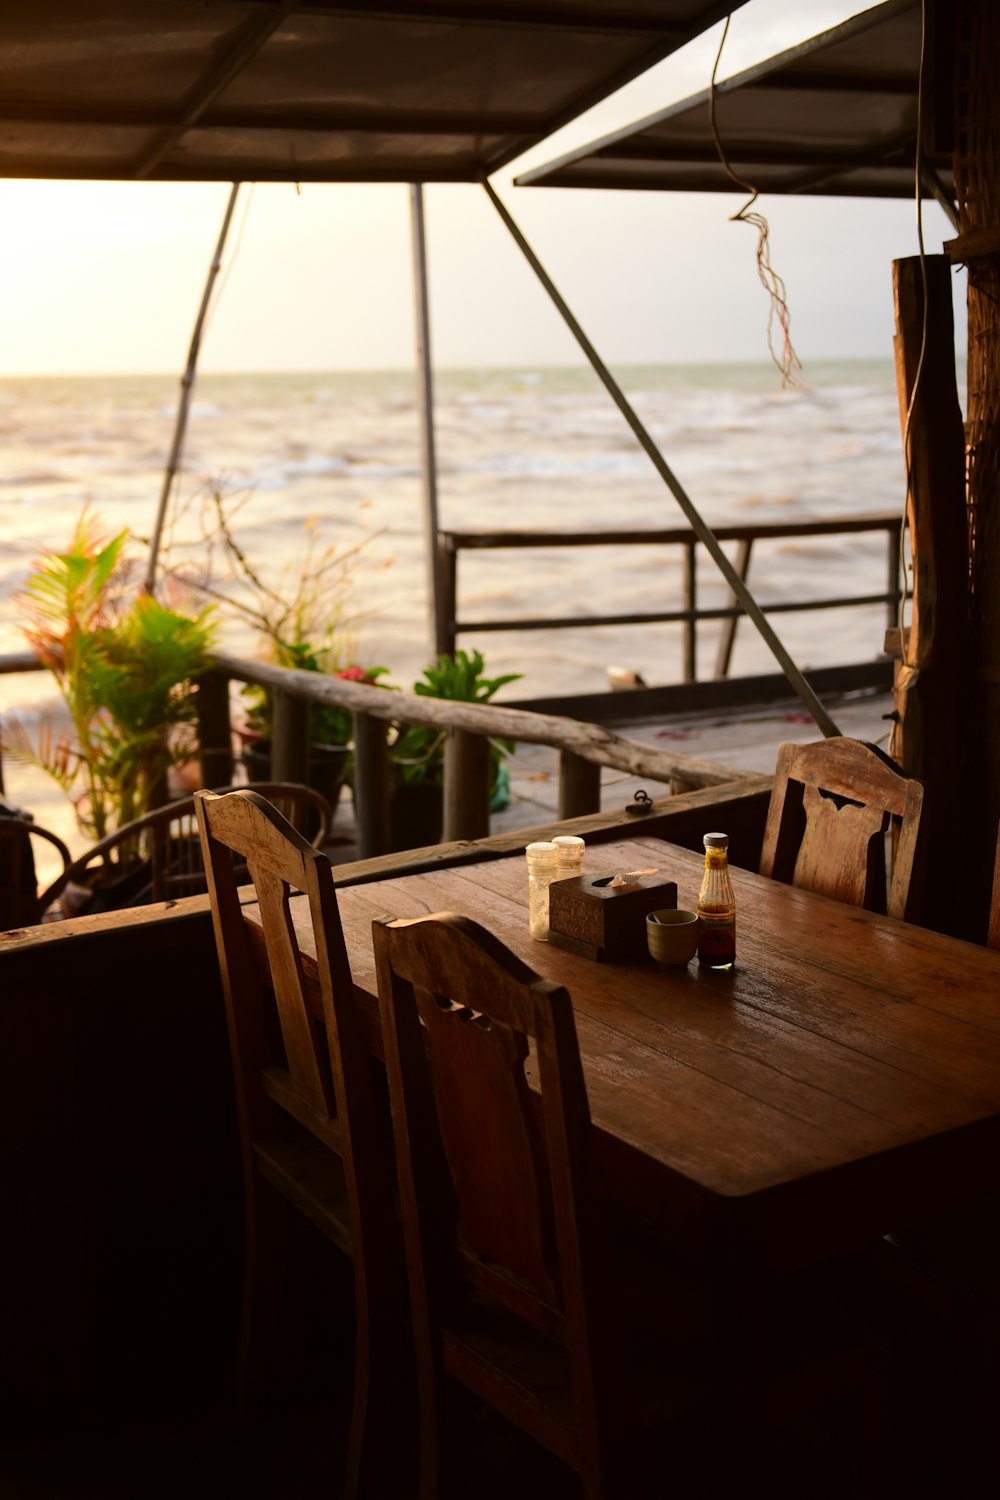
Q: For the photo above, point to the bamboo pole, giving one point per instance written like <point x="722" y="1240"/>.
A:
<point x="187" y="387"/>
<point x="425" y="393"/>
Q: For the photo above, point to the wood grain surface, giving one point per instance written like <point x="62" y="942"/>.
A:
<point x="842" y="1080"/>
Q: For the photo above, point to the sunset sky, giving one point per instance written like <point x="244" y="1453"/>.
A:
<point x="107" y="277"/>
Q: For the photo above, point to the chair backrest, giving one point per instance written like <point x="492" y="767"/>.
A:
<point x="20" y="903"/>
<point x="495" y="1183"/>
<point x="313" y="1067"/>
<point x="832" y="806"/>
<point x="167" y="849"/>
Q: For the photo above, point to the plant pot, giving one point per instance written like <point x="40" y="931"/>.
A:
<point x="416" y="816"/>
<point x="325" y="771"/>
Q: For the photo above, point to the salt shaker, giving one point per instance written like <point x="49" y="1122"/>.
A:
<point x="543" y="868"/>
<point x="571" y="852"/>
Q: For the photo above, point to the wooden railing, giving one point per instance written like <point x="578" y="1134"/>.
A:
<point x="689" y="614"/>
<point x="467" y="729"/>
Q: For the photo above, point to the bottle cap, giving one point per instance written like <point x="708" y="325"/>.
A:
<point x="542" y="851"/>
<point x="716" y="840"/>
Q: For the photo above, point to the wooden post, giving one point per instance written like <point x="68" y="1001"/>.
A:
<point x="289" y="736"/>
<point x="932" y="688"/>
<point x="466" y="785"/>
<point x="371" y="785"/>
<point x="975" y="28"/>
<point x="579" y="785"/>
<point x="215" y="735"/>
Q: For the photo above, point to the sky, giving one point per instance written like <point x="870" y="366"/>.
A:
<point x="108" y="277"/>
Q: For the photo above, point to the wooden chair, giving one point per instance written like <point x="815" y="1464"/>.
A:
<point x="496" y="1203"/>
<point x="305" y="1102"/>
<point x="160" y="855"/>
<point x="20" y="903"/>
<point x="513" y="1292"/>
<point x="831" y="808"/>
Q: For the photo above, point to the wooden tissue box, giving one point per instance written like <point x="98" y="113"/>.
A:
<point x="590" y="917"/>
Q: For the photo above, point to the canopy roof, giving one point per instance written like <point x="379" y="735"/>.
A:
<point x="261" y="90"/>
<point x="837" y="116"/>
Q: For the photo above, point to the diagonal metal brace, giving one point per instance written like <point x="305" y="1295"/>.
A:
<point x="698" y="524"/>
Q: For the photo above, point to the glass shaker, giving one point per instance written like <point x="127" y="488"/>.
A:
<point x="571" y="852"/>
<point x="543" y="868"/>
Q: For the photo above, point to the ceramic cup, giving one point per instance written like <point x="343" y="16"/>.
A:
<point x="672" y="936"/>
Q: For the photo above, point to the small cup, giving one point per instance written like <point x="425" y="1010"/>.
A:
<point x="672" y="936"/>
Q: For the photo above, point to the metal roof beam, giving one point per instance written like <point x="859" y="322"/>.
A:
<point x="212" y="83"/>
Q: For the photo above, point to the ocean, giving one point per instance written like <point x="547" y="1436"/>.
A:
<point x="337" y="456"/>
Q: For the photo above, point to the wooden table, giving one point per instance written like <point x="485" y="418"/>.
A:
<point x="841" y="1082"/>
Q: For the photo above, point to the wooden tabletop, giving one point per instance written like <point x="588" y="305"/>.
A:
<point x="842" y="1080"/>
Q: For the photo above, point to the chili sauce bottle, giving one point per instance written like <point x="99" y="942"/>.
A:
<point x="717" y="906"/>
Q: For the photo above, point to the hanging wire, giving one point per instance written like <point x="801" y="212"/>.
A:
<point x="786" y="360"/>
<point x="925" y="324"/>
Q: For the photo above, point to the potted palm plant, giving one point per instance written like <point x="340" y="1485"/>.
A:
<point x="127" y="667"/>
<point x="417" y="752"/>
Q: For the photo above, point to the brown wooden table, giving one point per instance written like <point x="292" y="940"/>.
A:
<point x="842" y="1081"/>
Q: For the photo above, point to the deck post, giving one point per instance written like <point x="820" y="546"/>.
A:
<point x="689" y="672"/>
<point x="215" y="735"/>
<point x="425" y="402"/>
<point x="705" y="533"/>
<point x="727" y="636"/>
<point x="289" y="736"/>
<point x="579" y="786"/>
<point x="466" y="785"/>
<point x="371" y="785"/>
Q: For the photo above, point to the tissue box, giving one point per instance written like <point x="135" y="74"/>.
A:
<point x="589" y="917"/>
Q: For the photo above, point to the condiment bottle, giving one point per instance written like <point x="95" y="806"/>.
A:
<point x="543" y="868"/>
<point x="717" y="906"/>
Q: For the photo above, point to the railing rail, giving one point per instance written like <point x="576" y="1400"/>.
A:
<point x="452" y="543"/>
<point x="467" y="728"/>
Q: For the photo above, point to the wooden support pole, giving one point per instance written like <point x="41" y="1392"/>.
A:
<point x="579" y="786"/>
<point x="371" y="785"/>
<point x="289" y="738"/>
<point x="215" y="735"/>
<point x="934" y="739"/>
<point x="466" y="785"/>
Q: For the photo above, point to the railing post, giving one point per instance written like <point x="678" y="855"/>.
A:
<point x="289" y="733"/>
<point x="579" y="785"/>
<point x="690" y="665"/>
<point x="447" y="635"/>
<point x="466" y="785"/>
<point x="727" y="639"/>
<point x="371" y="785"/>
<point x="215" y="735"/>
<point x="892" y="576"/>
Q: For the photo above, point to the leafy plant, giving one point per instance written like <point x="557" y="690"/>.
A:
<point x="126" y="666"/>
<point x="418" y="750"/>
